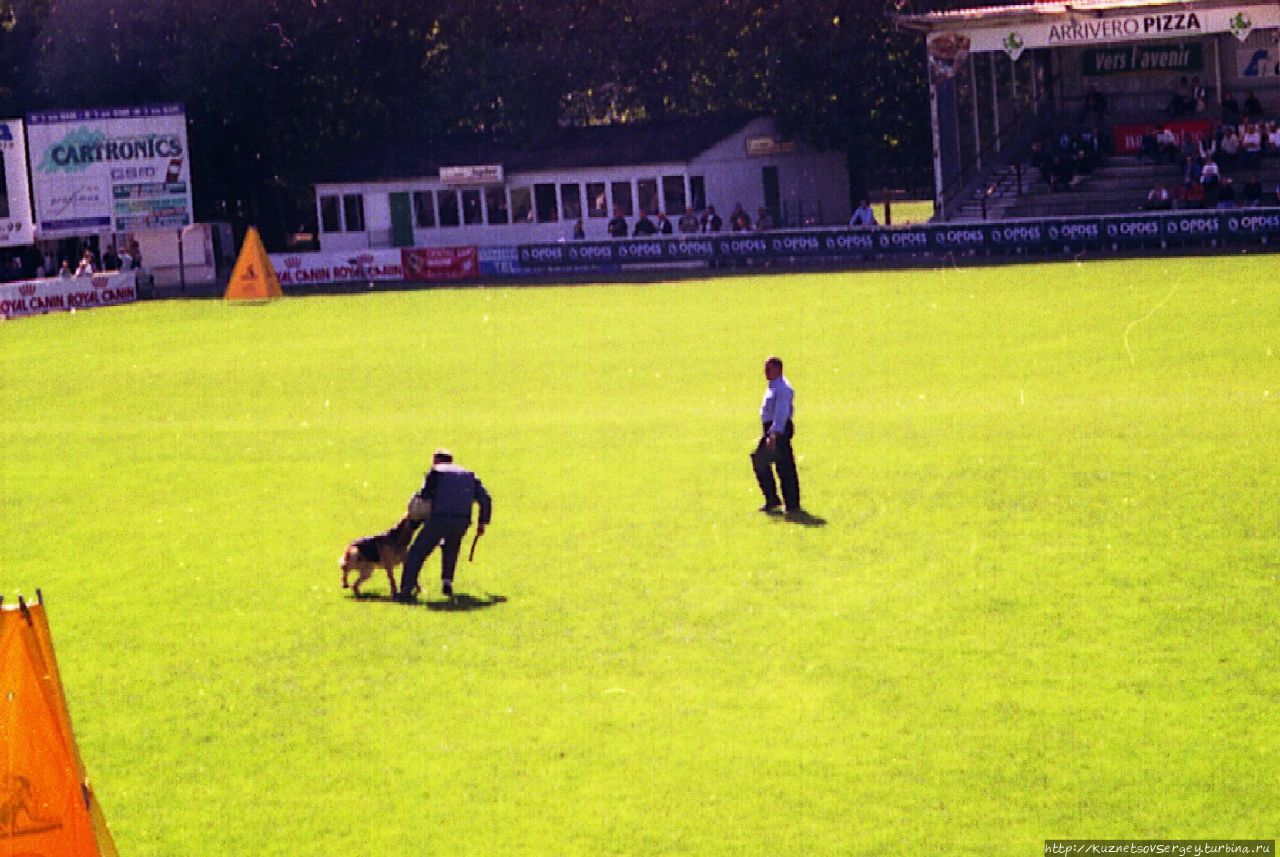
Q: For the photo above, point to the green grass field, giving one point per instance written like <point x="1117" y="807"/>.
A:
<point x="908" y="211"/>
<point x="1044" y="603"/>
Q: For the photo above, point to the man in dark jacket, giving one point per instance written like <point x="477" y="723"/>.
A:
<point x="451" y="490"/>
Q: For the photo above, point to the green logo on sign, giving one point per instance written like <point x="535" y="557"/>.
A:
<point x="1241" y="24"/>
<point x="64" y="156"/>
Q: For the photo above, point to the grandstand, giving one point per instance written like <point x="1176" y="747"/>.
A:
<point x="1012" y="87"/>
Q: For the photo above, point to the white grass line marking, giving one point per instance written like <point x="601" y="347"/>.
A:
<point x="1139" y="321"/>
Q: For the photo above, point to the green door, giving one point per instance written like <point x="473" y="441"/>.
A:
<point x="401" y="220"/>
<point x="772" y="193"/>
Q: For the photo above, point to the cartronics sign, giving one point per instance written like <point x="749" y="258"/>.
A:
<point x="1103" y="30"/>
<point x="119" y="169"/>
<point x="15" y="201"/>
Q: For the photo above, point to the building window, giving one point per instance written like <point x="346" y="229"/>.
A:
<point x="521" y="205"/>
<point x="673" y="195"/>
<point x="544" y="200"/>
<point x="648" y="190"/>
<point x="330" y="214"/>
<point x="698" y="190"/>
<point x="597" y="202"/>
<point x="571" y="201"/>
<point x="353" y="211"/>
<point x="622" y="198"/>
<point x="424" y="209"/>
<point x="448" y="207"/>
<point x="472" y="213"/>
<point x="495" y="199"/>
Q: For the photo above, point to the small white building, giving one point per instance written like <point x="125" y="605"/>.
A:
<point x="487" y="196"/>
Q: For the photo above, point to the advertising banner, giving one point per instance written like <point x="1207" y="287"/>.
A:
<point x="1136" y="230"/>
<point x="1251" y="223"/>
<point x="1196" y="227"/>
<point x="16" y="227"/>
<point x="1128" y="138"/>
<point x="1076" y="233"/>
<point x="119" y="169"/>
<point x="365" y="266"/>
<point x="1259" y="57"/>
<point x="440" y="264"/>
<point x="1020" y="237"/>
<point x="1102" y="29"/>
<point x="1193" y="226"/>
<point x="35" y="297"/>
<point x="1097" y="62"/>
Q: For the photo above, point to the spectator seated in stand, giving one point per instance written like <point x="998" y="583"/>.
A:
<point x="711" y="222"/>
<point x="1226" y="194"/>
<point x="1180" y="102"/>
<point x="664" y="225"/>
<point x="1208" y="147"/>
<point x="1064" y="173"/>
<point x="1210" y="175"/>
<point x="644" y="227"/>
<point x="1192" y="195"/>
<point x="1149" y="149"/>
<point x="1229" y="150"/>
<point x="1252" y="193"/>
<point x="1271" y="140"/>
<point x="1250" y="145"/>
<point x="1166" y="146"/>
<point x="1158" y="198"/>
<point x="1191" y="170"/>
<point x="764" y="221"/>
<point x="1096" y="103"/>
<point x="739" y="220"/>
<point x="1252" y="108"/>
<point x="1230" y="109"/>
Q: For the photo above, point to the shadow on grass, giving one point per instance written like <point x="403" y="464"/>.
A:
<point x="804" y="518"/>
<point x="460" y="603"/>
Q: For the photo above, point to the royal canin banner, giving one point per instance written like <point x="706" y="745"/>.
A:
<point x="36" y="297"/>
<point x="363" y="266"/>
<point x="441" y="264"/>
<point x="1128" y="138"/>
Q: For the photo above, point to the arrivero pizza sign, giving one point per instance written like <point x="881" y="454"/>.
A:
<point x="1240" y="21"/>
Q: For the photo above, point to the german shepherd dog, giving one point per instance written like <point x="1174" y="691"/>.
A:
<point x="386" y="550"/>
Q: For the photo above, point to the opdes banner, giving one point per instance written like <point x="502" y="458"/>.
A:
<point x="364" y="266"/>
<point x="15" y="200"/>
<point x="440" y="264"/>
<point x="35" y="297"/>
<point x="120" y="169"/>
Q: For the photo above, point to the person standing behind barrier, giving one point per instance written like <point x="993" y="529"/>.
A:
<point x="863" y="215"/>
<point x="689" y="223"/>
<point x="451" y="490"/>
<point x="618" y="225"/>
<point x="774" y="449"/>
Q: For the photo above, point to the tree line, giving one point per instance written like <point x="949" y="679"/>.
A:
<point x="277" y="91"/>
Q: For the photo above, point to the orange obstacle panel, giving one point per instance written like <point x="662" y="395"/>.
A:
<point x="47" y="808"/>
<point x="253" y="278"/>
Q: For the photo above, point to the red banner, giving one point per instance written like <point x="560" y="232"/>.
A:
<point x="440" y="264"/>
<point x="1128" y="138"/>
<point x="34" y="297"/>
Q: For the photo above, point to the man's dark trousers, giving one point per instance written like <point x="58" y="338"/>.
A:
<point x="447" y="528"/>
<point x="764" y="460"/>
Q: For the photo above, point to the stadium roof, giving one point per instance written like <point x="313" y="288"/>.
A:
<point x="1045" y="11"/>
<point x="574" y="147"/>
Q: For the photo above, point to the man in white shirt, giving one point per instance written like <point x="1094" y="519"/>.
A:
<point x="774" y="448"/>
<point x="864" y="215"/>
